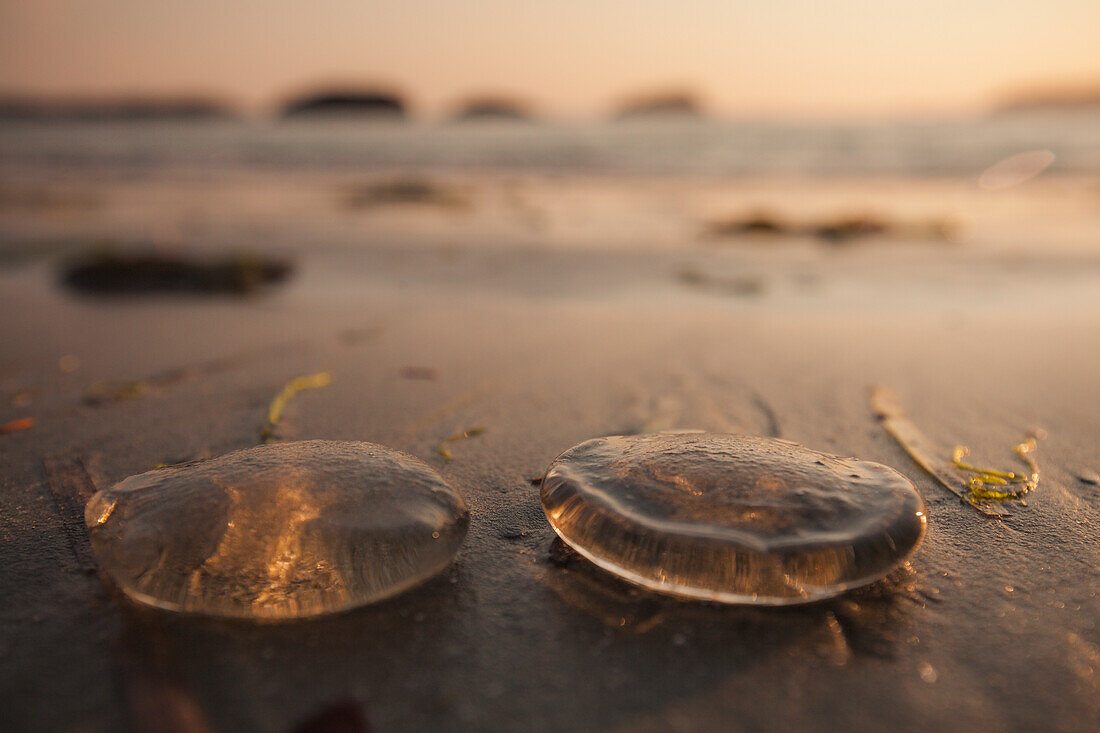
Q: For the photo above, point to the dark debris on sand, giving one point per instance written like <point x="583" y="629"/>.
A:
<point x="739" y="285"/>
<point x="119" y="272"/>
<point x="838" y="230"/>
<point x="344" y="716"/>
<point x="403" y="191"/>
<point x="752" y="224"/>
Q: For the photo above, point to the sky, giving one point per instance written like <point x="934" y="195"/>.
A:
<point x="566" y="57"/>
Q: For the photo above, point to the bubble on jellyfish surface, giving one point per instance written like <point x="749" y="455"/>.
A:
<point x="732" y="518"/>
<point x="279" y="531"/>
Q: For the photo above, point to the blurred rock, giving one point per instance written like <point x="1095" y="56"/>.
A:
<point x="129" y="109"/>
<point x="666" y="104"/>
<point x="492" y="108"/>
<point x="346" y="103"/>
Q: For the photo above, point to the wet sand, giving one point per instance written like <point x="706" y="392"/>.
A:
<point x="993" y="625"/>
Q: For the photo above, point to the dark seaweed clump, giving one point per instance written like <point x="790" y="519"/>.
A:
<point x="109" y="272"/>
<point x="834" y="231"/>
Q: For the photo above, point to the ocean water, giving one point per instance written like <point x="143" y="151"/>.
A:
<point x="960" y="147"/>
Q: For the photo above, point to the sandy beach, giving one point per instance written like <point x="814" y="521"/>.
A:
<point x="548" y="309"/>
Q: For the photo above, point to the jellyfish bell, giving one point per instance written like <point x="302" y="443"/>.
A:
<point x="279" y="531"/>
<point x="732" y="518"/>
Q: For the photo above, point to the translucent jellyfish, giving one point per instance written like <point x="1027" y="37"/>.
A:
<point x="278" y="531"/>
<point x="732" y="518"/>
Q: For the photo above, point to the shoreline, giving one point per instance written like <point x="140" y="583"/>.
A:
<point x="612" y="317"/>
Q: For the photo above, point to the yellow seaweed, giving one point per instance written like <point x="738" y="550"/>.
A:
<point x="101" y="392"/>
<point x="985" y="489"/>
<point x="442" y="449"/>
<point x="1016" y="484"/>
<point x="293" y="387"/>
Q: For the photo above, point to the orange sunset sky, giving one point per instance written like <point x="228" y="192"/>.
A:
<point x="568" y="57"/>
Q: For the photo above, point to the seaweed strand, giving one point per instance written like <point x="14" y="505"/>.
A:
<point x="293" y="387"/>
<point x="976" y="490"/>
